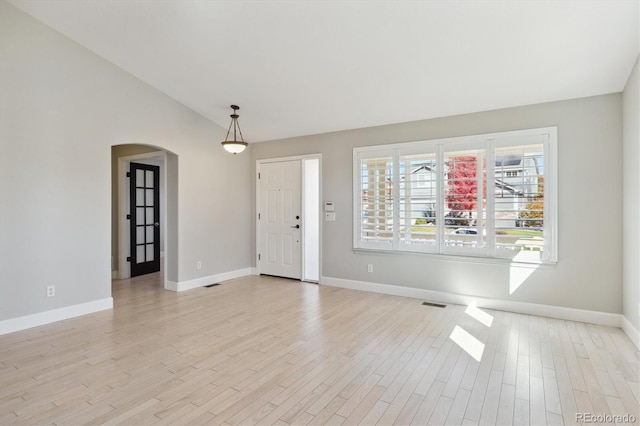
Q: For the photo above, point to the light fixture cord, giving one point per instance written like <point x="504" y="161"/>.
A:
<point x="226" y="138"/>
<point x="239" y="130"/>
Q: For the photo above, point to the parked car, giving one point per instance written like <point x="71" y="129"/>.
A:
<point x="469" y="231"/>
<point x="466" y="231"/>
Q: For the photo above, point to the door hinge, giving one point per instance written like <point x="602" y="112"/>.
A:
<point x="128" y="174"/>
<point x="258" y="175"/>
<point x="129" y="259"/>
<point x="258" y="216"/>
<point x="128" y="216"/>
<point x="258" y="256"/>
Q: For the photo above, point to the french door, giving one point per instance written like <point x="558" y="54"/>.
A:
<point x="144" y="181"/>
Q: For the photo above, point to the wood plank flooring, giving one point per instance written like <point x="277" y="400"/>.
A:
<point x="264" y="350"/>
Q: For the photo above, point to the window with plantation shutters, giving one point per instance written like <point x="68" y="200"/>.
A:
<point x="375" y="200"/>
<point x="486" y="195"/>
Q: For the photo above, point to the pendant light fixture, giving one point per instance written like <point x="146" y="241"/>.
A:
<point x="234" y="146"/>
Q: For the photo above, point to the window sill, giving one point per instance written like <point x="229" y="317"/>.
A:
<point x="461" y="258"/>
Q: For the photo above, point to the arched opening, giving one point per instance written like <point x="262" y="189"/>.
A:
<point x="166" y="205"/>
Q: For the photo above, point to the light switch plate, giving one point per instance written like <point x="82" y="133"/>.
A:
<point x="330" y="217"/>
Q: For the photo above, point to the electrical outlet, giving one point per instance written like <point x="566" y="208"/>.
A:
<point x="369" y="268"/>
<point x="51" y="290"/>
<point x="198" y="265"/>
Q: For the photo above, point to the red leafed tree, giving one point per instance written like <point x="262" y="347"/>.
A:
<point x="462" y="182"/>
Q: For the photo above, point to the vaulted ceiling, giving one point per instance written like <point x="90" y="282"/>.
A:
<point x="306" y="67"/>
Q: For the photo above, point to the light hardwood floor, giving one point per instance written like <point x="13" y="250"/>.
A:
<point x="263" y="350"/>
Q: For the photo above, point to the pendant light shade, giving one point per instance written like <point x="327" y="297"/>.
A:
<point x="234" y="146"/>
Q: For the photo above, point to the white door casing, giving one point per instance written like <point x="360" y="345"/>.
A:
<point x="280" y="218"/>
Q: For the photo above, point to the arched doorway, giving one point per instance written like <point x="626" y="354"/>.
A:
<point x="166" y="162"/>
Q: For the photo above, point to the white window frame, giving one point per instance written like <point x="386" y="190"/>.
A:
<point x="547" y="136"/>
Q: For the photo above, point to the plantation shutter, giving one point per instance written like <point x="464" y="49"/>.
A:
<point x="418" y="201"/>
<point x="374" y="200"/>
<point x="519" y="198"/>
<point x="464" y="200"/>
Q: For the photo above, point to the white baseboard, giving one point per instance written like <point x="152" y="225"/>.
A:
<point x="114" y="275"/>
<point x="560" y="312"/>
<point x="211" y="279"/>
<point x="47" y="317"/>
<point x="631" y="331"/>
<point x="254" y="271"/>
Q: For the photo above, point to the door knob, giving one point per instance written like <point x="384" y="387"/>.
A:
<point x="296" y="227"/>
<point x="156" y="224"/>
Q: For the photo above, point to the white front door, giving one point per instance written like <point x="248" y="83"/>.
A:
<point x="280" y="219"/>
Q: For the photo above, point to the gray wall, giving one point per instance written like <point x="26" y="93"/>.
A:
<point x="62" y="108"/>
<point x="589" y="272"/>
<point x="631" y="150"/>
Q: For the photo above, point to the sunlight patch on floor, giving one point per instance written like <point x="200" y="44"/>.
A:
<point x="476" y="313"/>
<point x="466" y="341"/>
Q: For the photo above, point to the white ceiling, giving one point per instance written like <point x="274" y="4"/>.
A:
<point x="306" y="67"/>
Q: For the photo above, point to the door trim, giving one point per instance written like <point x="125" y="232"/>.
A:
<point x="302" y="205"/>
<point x="124" y="267"/>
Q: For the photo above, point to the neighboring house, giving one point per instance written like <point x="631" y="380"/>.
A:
<point x="516" y="184"/>
<point x="421" y="194"/>
<point x="518" y="175"/>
